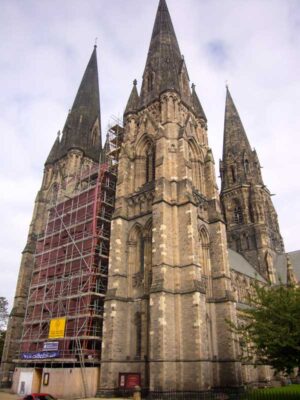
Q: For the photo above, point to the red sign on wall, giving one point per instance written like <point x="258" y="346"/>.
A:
<point x="129" y="380"/>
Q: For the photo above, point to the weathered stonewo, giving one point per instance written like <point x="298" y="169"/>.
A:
<point x="169" y="275"/>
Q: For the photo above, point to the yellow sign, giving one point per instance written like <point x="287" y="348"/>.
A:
<point x="57" y="328"/>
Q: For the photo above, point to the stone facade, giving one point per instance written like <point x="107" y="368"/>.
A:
<point x="173" y="283"/>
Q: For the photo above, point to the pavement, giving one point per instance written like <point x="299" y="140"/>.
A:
<point x="6" y="395"/>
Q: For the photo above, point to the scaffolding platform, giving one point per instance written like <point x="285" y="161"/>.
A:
<point x="69" y="279"/>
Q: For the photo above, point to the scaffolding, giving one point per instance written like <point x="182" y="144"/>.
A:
<point x="115" y="136"/>
<point x="69" y="278"/>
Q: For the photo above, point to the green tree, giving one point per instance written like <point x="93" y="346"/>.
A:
<point x="270" y="330"/>
<point x="3" y="322"/>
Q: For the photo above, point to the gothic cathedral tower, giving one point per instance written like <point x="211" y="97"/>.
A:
<point x="252" y="225"/>
<point x="77" y="149"/>
<point x="169" y="288"/>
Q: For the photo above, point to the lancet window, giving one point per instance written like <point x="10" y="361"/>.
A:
<point x="150" y="163"/>
<point x="238" y="213"/>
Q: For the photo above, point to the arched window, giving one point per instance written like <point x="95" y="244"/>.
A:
<point x="205" y="258"/>
<point x="94" y="136"/>
<point x="54" y="193"/>
<point x="204" y="243"/>
<point x="150" y="163"/>
<point x="196" y="159"/>
<point x="135" y="250"/>
<point x="147" y="253"/>
<point x="246" y="166"/>
<point x="138" y="328"/>
<point x="238" y="213"/>
<point x="142" y="254"/>
<point x="233" y="174"/>
<point x="150" y="81"/>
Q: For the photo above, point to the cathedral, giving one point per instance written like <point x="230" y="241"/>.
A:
<point x="134" y="254"/>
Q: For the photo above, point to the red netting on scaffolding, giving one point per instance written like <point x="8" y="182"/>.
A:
<point x="65" y="305"/>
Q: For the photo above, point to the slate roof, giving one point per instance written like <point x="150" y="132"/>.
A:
<point x="239" y="264"/>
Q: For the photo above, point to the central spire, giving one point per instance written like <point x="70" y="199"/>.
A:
<point x="164" y="62"/>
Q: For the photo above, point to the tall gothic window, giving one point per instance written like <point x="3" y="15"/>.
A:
<point x="94" y="136"/>
<point x="238" y="214"/>
<point x="54" y="193"/>
<point x="246" y="166"/>
<point x="196" y="159"/>
<point x="150" y="163"/>
<point x="135" y="249"/>
<point x="233" y="174"/>
<point x="142" y="254"/>
<point x="205" y="258"/>
<point x="138" y="327"/>
<point x="150" y="81"/>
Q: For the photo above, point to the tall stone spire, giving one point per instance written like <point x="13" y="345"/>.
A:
<point x="164" y="65"/>
<point x="235" y="138"/>
<point x="240" y="163"/>
<point x="82" y="129"/>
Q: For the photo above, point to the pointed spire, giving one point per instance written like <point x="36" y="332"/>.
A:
<point x="196" y="104"/>
<point x="164" y="58"/>
<point x="133" y="101"/>
<point x="239" y="164"/>
<point x="235" y="138"/>
<point x="54" y="152"/>
<point x="82" y="129"/>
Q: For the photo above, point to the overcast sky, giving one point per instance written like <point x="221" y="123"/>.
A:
<point x="254" y="45"/>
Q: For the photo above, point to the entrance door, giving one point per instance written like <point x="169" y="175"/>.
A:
<point x="25" y="382"/>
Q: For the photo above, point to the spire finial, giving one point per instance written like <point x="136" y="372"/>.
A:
<point x="95" y="44"/>
<point x="226" y="84"/>
<point x="135" y="82"/>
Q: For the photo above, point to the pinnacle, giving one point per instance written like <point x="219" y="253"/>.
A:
<point x="133" y="101"/>
<point x="196" y="104"/>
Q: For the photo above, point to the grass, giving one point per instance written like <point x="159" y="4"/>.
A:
<point x="279" y="393"/>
